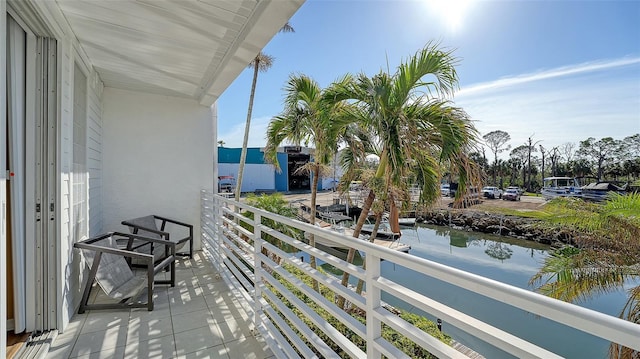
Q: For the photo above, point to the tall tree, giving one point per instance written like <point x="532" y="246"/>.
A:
<point x="542" y="150"/>
<point x="503" y="170"/>
<point x="414" y="129"/>
<point x="630" y="155"/>
<point x="554" y="156"/>
<point x="519" y="156"/>
<point x="496" y="140"/>
<point x="514" y="168"/>
<point x="531" y="147"/>
<point x="568" y="150"/>
<point x="580" y="167"/>
<point x="632" y="145"/>
<point x="307" y="119"/>
<point x="261" y="63"/>
<point x="599" y="152"/>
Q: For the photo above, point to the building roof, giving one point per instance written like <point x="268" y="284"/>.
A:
<point x="187" y="48"/>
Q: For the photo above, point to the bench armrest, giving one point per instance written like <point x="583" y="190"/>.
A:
<point x="170" y="220"/>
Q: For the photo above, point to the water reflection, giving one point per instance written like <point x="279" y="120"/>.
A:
<point x="358" y="260"/>
<point x="457" y="239"/>
<point x="498" y="251"/>
<point x="508" y="260"/>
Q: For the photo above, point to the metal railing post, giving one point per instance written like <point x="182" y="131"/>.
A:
<point x="217" y="224"/>
<point x="215" y="213"/>
<point x="374" y="325"/>
<point x="257" y="285"/>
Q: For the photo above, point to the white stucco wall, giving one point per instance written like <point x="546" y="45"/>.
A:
<point x="157" y="156"/>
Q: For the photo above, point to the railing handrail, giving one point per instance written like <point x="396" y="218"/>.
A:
<point x="601" y="325"/>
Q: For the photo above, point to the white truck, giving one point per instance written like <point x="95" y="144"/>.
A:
<point x="492" y="192"/>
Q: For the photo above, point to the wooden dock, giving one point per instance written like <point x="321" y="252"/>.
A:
<point x="396" y="245"/>
<point x="306" y="217"/>
<point x="391" y="244"/>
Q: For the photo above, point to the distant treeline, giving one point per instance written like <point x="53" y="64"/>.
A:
<point x="606" y="159"/>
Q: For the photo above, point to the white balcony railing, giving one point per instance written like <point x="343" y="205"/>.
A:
<point x="294" y="329"/>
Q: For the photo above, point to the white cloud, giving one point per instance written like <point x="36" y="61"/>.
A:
<point x="567" y="104"/>
<point x="549" y="74"/>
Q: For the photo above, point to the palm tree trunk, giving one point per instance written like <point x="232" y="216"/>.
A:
<point x="366" y="206"/>
<point x="374" y="233"/>
<point x="245" y="141"/>
<point x="356" y="234"/>
<point x="312" y="220"/>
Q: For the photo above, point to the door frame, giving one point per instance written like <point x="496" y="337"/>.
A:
<point x="3" y="180"/>
<point x="42" y="158"/>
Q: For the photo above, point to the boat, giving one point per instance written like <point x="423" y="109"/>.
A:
<point x="599" y="191"/>
<point x="382" y="233"/>
<point x="554" y="187"/>
<point x="407" y="221"/>
<point x="334" y="212"/>
<point x="383" y="239"/>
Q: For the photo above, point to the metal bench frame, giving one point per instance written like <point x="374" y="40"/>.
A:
<point x="151" y="268"/>
<point x="136" y="227"/>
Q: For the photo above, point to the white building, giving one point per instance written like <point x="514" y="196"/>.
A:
<point x="110" y="114"/>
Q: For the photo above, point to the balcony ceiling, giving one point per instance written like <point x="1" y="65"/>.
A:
<point x="186" y="48"/>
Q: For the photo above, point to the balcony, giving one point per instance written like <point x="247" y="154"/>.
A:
<point x="199" y="317"/>
<point x="247" y="296"/>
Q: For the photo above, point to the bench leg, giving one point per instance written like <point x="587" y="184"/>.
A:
<point x="150" y="275"/>
<point x="87" y="287"/>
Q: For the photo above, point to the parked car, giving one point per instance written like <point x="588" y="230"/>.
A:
<point x="491" y="192"/>
<point x="444" y="190"/>
<point x="511" y="194"/>
<point x="520" y="190"/>
<point x="226" y="184"/>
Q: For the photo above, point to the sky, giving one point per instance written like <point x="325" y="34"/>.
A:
<point x="555" y="71"/>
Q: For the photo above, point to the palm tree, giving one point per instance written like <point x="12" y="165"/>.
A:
<point x="605" y="258"/>
<point x="414" y="128"/>
<point x="307" y="118"/>
<point x="261" y="63"/>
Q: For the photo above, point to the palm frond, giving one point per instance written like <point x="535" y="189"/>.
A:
<point x="581" y="274"/>
<point x="431" y="60"/>
<point x="287" y="28"/>
<point x="263" y="61"/>
<point x="613" y="226"/>
<point x="630" y="312"/>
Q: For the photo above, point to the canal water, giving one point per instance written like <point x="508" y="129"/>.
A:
<point x="503" y="259"/>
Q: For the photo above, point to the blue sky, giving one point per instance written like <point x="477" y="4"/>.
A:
<point x="559" y="71"/>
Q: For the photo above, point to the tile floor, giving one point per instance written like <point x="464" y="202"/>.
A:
<point x="198" y="318"/>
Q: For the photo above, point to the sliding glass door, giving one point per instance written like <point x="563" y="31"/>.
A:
<point x="16" y="120"/>
<point x="31" y="160"/>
